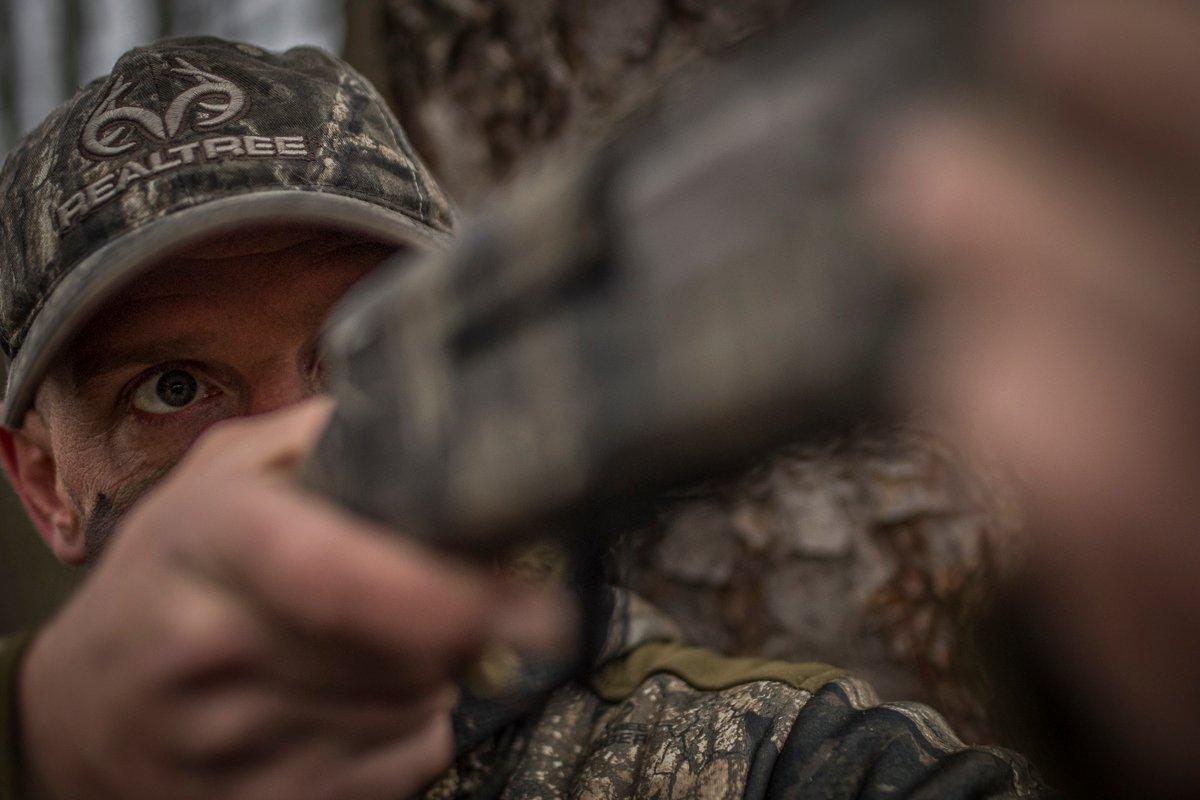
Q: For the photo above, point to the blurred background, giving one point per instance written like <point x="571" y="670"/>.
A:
<point x="48" y="48"/>
<point x="875" y="553"/>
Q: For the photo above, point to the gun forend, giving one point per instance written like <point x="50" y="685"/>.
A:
<point x="696" y="291"/>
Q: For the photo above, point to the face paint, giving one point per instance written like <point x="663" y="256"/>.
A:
<point x="107" y="513"/>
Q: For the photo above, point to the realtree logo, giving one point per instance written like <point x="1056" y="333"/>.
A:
<point x="113" y="130"/>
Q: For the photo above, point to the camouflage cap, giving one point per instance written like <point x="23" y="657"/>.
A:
<point x="188" y="138"/>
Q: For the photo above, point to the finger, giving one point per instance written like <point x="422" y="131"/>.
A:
<point x="237" y="728"/>
<point x="324" y="767"/>
<point x="218" y="638"/>
<point x="399" y="769"/>
<point x="275" y="441"/>
<point x="1130" y="65"/>
<point x="340" y="666"/>
<point x="287" y="436"/>
<point x="332" y="576"/>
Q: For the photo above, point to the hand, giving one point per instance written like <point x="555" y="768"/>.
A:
<point x="1063" y="333"/>
<point x="243" y="640"/>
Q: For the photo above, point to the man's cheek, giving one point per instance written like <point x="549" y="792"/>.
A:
<point x="108" y="505"/>
<point x="97" y="466"/>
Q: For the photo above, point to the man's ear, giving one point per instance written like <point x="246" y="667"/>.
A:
<point x="30" y="467"/>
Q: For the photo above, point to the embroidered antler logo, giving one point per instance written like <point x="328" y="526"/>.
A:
<point x="114" y="129"/>
<point x="207" y="101"/>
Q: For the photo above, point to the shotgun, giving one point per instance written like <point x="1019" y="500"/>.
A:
<point x="666" y="309"/>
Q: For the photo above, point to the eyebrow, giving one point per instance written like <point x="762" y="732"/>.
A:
<point x="102" y="360"/>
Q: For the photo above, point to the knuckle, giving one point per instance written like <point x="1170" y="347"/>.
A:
<point x="224" y="730"/>
<point x="209" y="638"/>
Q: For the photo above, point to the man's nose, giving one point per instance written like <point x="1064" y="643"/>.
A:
<point x="278" y="389"/>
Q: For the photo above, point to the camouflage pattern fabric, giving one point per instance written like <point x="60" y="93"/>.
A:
<point x="760" y="737"/>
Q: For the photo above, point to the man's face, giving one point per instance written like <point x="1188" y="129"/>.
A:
<point x="200" y="339"/>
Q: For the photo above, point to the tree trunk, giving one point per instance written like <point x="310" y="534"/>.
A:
<point x="485" y="88"/>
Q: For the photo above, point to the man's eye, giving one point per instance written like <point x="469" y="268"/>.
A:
<point x="167" y="392"/>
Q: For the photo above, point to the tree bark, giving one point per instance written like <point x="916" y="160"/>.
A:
<point x="486" y="88"/>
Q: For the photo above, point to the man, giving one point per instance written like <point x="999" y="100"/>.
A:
<point x="174" y="237"/>
<point x="238" y="638"/>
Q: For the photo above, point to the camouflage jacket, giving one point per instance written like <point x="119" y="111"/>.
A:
<point x="659" y="719"/>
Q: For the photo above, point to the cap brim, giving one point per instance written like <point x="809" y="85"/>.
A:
<point x="96" y="279"/>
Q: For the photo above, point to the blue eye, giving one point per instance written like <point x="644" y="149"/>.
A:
<point x="168" y="391"/>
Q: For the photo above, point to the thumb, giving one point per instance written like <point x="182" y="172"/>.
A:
<point x="275" y="441"/>
<point x="290" y="434"/>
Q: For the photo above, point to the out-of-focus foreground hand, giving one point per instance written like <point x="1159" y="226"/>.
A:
<point x="243" y="640"/>
<point x="1061" y="247"/>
